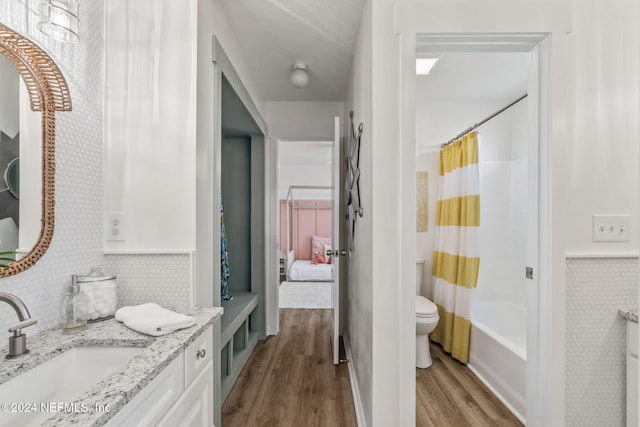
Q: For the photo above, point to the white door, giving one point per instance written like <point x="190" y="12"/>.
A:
<point x="335" y="239"/>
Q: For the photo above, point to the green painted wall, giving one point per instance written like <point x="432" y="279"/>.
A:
<point x="236" y="198"/>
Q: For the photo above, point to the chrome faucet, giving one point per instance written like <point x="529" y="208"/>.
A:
<point x="18" y="342"/>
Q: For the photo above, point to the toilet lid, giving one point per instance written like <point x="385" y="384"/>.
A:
<point x="425" y="308"/>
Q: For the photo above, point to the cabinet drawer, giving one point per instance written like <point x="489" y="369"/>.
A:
<point x="197" y="355"/>
<point x="632" y="338"/>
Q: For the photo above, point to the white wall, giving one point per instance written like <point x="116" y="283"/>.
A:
<point x="603" y="149"/>
<point x="155" y="109"/>
<point x="304" y="175"/>
<point x="150" y="122"/>
<point x="295" y="120"/>
<point x="359" y="332"/>
<point x="161" y="112"/>
<point x="428" y="161"/>
<point x="77" y="240"/>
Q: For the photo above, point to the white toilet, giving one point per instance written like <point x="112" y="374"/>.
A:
<point x="426" y="321"/>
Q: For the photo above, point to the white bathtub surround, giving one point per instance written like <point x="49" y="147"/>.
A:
<point x="456" y="256"/>
<point x="498" y="351"/>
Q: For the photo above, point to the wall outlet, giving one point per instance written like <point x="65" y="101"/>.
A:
<point x="611" y="228"/>
<point x="114" y="226"/>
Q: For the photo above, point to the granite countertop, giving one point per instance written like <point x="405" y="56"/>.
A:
<point x="629" y="314"/>
<point x="117" y="389"/>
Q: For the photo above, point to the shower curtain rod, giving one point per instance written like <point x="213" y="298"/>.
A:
<point x="477" y="125"/>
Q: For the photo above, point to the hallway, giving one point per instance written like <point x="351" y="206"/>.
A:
<point x="290" y="380"/>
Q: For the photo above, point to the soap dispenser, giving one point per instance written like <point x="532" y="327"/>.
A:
<point x="74" y="308"/>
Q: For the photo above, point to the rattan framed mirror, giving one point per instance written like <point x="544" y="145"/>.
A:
<point x="48" y="93"/>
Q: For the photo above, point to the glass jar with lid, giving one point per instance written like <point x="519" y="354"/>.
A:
<point x="100" y="290"/>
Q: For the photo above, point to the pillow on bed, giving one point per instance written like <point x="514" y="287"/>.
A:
<point x="317" y="249"/>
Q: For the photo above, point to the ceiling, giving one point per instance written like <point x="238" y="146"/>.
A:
<point x="305" y="152"/>
<point x="475" y="77"/>
<point x="273" y="34"/>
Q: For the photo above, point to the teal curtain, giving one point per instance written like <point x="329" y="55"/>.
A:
<point x="224" y="259"/>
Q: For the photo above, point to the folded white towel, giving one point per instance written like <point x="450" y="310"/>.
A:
<point x="151" y="319"/>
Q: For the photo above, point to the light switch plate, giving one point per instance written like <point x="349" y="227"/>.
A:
<point x="611" y="228"/>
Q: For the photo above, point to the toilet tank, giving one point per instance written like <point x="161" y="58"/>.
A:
<point x="419" y="265"/>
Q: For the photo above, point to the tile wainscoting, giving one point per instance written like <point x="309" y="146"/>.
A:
<point x="161" y="277"/>
<point x="595" y="338"/>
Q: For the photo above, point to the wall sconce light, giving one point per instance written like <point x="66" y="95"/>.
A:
<point x="300" y="75"/>
<point x="59" y="19"/>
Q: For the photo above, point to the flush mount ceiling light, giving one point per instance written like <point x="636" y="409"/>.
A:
<point x="59" y="19"/>
<point x="300" y="75"/>
<point x="424" y="65"/>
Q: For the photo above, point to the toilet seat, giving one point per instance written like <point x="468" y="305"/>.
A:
<point x="425" y="308"/>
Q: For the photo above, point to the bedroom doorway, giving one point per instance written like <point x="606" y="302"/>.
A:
<point x="305" y="168"/>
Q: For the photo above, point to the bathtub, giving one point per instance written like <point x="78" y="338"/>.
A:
<point x="498" y="351"/>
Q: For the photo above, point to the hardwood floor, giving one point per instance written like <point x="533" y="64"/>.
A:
<point x="449" y="394"/>
<point x="290" y="379"/>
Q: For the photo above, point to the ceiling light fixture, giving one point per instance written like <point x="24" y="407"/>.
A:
<point x="300" y="75"/>
<point x="424" y="65"/>
<point x="59" y="19"/>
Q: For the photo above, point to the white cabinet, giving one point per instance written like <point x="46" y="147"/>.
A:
<point x="182" y="394"/>
<point x="632" y="374"/>
<point x="148" y="407"/>
<point x="194" y="408"/>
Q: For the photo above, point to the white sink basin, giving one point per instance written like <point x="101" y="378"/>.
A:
<point x="60" y="380"/>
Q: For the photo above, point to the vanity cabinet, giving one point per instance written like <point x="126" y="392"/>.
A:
<point x="182" y="394"/>
<point x="632" y="374"/>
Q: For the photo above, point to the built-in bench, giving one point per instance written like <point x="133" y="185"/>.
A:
<point x="239" y="336"/>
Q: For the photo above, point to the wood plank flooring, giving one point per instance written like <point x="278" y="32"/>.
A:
<point x="290" y="379"/>
<point x="448" y="394"/>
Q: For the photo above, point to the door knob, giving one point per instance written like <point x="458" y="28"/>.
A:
<point x="337" y="252"/>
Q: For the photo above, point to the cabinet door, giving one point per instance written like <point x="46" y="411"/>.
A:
<point x="632" y="391"/>
<point x="195" y="406"/>
<point x="150" y="404"/>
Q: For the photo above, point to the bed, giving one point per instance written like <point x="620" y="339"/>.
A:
<point x="303" y="270"/>
<point x="305" y="222"/>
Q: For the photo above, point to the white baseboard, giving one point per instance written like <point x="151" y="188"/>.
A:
<point x="355" y="390"/>
<point x="495" y="392"/>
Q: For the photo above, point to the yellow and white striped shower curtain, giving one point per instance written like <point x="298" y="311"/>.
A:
<point x="456" y="259"/>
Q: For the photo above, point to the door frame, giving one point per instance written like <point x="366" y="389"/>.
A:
<point x="272" y="218"/>
<point x="545" y="401"/>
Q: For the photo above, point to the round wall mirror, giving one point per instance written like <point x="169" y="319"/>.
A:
<point x="32" y="90"/>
